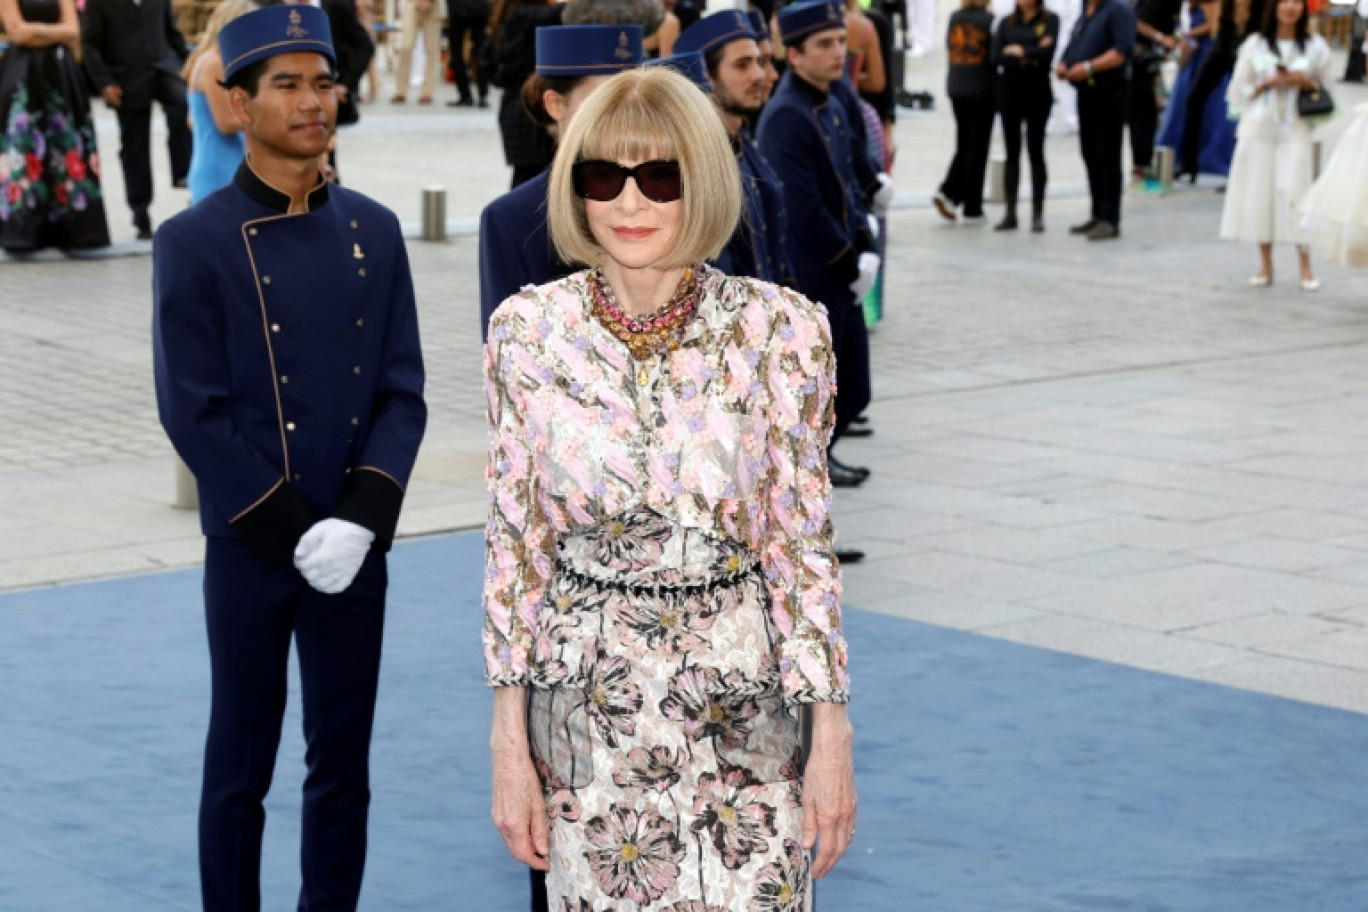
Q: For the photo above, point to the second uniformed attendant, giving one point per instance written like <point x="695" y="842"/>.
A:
<point x="290" y="380"/>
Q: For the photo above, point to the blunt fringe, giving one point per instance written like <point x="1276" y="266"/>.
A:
<point x="639" y="115"/>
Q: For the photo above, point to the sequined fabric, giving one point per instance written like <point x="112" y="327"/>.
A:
<point x="669" y="760"/>
<point x="726" y="435"/>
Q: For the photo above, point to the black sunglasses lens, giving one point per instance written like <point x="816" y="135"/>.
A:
<point x="660" y="181"/>
<point x="599" y="180"/>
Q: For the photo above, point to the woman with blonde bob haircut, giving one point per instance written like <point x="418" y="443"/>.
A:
<point x="661" y="591"/>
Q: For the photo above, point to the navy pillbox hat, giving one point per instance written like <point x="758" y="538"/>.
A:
<point x="802" y="19"/>
<point x="587" y="50"/>
<point x="690" y="65"/>
<point x="758" y="25"/>
<point x="272" y="30"/>
<point x="711" y="32"/>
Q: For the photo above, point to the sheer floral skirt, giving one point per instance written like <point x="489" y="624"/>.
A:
<point x="671" y="765"/>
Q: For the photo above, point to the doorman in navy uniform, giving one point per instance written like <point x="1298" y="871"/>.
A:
<point x="515" y="249"/>
<point x="805" y="133"/>
<point x="290" y="379"/>
<point x="731" y="52"/>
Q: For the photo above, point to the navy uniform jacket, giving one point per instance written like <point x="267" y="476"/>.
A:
<point x="288" y="369"/>
<point x="757" y="249"/>
<point x="862" y="160"/>
<point x="515" y="248"/>
<point x="803" y="132"/>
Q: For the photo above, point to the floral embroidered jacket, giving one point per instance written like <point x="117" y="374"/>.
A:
<point x="728" y="434"/>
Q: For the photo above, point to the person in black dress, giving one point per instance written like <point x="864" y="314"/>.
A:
<point x="50" y="193"/>
<point x="1023" y="46"/>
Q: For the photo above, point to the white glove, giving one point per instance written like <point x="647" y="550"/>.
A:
<point x="873" y="224"/>
<point x="329" y="555"/>
<point x="869" y="271"/>
<point x="883" y="197"/>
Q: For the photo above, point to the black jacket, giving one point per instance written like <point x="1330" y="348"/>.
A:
<point x="127" y="44"/>
<point x="968" y="42"/>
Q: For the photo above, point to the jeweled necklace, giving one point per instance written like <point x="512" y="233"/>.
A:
<point x="655" y="333"/>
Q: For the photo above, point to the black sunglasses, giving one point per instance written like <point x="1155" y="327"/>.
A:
<point x="602" y="181"/>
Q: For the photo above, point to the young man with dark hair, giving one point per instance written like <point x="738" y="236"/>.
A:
<point x="806" y="134"/>
<point x="290" y="379"/>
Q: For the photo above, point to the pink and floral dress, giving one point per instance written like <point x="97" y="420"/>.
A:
<point x="659" y="572"/>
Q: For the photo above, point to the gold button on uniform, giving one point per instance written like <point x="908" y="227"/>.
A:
<point x="355" y="422"/>
<point x="357" y="370"/>
<point x="299" y="476"/>
<point x="289" y="425"/>
<point x="284" y="378"/>
<point x="354" y="225"/>
<point x="361" y="272"/>
<point x="252" y="231"/>
<point x="265" y="280"/>
<point x="275" y="327"/>
<point x="360" y="323"/>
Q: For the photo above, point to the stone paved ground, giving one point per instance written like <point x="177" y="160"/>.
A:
<point x="1116" y="450"/>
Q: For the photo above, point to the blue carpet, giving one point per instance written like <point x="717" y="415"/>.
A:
<point x="993" y="776"/>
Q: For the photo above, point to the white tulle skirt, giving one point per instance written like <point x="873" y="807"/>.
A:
<point x="1269" y="177"/>
<point x="1335" y="211"/>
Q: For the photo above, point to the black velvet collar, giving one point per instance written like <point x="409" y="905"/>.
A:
<point x="261" y="192"/>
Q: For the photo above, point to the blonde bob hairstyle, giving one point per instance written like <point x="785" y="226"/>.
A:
<point x="640" y="115"/>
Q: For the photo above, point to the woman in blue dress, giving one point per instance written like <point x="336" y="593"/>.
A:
<point x="49" y="166"/>
<point x="1216" y="144"/>
<point x="219" y="145"/>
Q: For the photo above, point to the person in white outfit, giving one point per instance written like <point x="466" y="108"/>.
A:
<point x="1335" y="211"/>
<point x="419" y="17"/>
<point x="1064" y="114"/>
<point x="1272" y="168"/>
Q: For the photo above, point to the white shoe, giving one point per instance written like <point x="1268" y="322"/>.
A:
<point x="1310" y="284"/>
<point x="1260" y="281"/>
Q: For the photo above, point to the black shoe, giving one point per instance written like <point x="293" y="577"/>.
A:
<point x="1037" y="224"/>
<point x="143" y="225"/>
<point x="484" y="102"/>
<point x="848" y="556"/>
<point x="843" y="476"/>
<point x="1084" y="228"/>
<point x="462" y="103"/>
<point x="180" y="183"/>
<point x="1104" y="231"/>
<point x="1008" y="223"/>
<point x="860" y="431"/>
<point x="860" y="419"/>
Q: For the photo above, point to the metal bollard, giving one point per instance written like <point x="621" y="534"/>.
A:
<point x="434" y="214"/>
<point x="1163" y="167"/>
<point x="187" y="492"/>
<point x="1315" y="158"/>
<point x="997" y="180"/>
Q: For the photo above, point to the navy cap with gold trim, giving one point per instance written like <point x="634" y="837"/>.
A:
<point x="802" y="19"/>
<point x="712" y="32"/>
<point x="587" y="50"/>
<point x="758" y="24"/>
<point x="272" y="30"/>
<point x="689" y="64"/>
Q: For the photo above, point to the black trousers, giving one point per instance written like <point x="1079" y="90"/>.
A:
<point x="1025" y="101"/>
<point x="963" y="183"/>
<point x="1217" y="64"/>
<point x="457" y="29"/>
<point x="1143" y="118"/>
<point x="1101" y="131"/>
<point x="135" y="137"/>
<point x="252" y="614"/>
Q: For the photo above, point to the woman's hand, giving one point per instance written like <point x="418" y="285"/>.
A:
<point x="829" y="787"/>
<point x="519" y="809"/>
<point x="1013" y="50"/>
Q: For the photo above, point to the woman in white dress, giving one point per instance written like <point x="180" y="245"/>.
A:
<point x="1272" y="168"/>
<point x="1335" y="213"/>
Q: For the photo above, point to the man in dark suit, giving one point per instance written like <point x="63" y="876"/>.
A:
<point x="134" y="54"/>
<point x="289" y="377"/>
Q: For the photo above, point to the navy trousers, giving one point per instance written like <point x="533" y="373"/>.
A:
<point x="252" y="614"/>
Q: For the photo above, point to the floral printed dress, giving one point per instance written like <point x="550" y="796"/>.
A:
<point x="49" y="166"/>
<point x="659" y="573"/>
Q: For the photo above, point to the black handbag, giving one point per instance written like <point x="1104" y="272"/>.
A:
<point x="1317" y="102"/>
